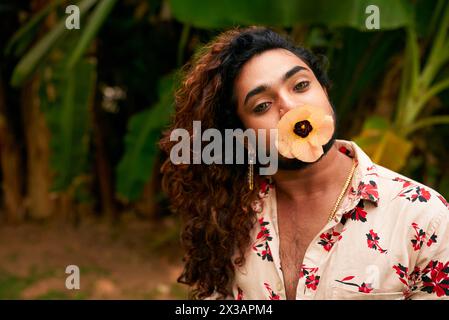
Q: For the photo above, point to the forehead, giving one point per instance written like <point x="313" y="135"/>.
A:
<point x="265" y="69"/>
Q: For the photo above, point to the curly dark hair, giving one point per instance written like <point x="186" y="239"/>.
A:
<point x="214" y="201"/>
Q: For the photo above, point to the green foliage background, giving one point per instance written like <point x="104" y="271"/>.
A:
<point x="137" y="46"/>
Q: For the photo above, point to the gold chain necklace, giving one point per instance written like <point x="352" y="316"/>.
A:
<point x="340" y="197"/>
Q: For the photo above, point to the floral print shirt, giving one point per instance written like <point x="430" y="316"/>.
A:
<point x="389" y="240"/>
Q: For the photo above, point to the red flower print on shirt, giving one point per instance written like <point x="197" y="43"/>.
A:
<point x="402" y="271"/>
<point x="413" y="279"/>
<point x="410" y="280"/>
<point x="432" y="240"/>
<point x="413" y="192"/>
<point x="373" y="241"/>
<point x="368" y="190"/>
<point x="239" y="294"/>
<point x="264" y="233"/>
<point x="304" y="271"/>
<point x="312" y="280"/>
<point x="260" y="246"/>
<point x="345" y="151"/>
<point x="423" y="194"/>
<point x="328" y="239"/>
<point x="364" y="287"/>
<point x="435" y="278"/>
<point x="266" y="254"/>
<point x="265" y="187"/>
<point x="420" y="236"/>
<point x="356" y="214"/>
<point x="371" y="168"/>
<point x="444" y="201"/>
<point x="273" y="295"/>
<point x="405" y="182"/>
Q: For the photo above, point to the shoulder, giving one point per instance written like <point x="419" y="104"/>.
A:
<point x="411" y="199"/>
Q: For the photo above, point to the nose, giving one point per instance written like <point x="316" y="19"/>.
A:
<point x="286" y="103"/>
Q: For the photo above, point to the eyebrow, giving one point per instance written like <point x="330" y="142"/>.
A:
<point x="263" y="87"/>
<point x="292" y="71"/>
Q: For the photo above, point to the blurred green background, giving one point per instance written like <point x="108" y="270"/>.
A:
<point x="81" y="112"/>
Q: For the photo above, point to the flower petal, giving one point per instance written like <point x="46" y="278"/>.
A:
<point x="308" y="149"/>
<point x="288" y="121"/>
<point x="284" y="147"/>
<point x="306" y="152"/>
<point x="325" y="130"/>
<point x="284" y="142"/>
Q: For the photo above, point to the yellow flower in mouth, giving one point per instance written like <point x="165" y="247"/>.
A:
<point x="303" y="131"/>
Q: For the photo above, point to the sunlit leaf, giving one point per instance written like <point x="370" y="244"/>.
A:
<point x="383" y="145"/>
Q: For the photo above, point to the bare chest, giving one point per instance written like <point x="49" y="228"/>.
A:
<point x="297" y="229"/>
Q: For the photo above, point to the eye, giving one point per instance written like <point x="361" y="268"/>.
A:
<point x="301" y="86"/>
<point x="260" y="108"/>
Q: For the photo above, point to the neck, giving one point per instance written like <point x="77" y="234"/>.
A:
<point x="316" y="179"/>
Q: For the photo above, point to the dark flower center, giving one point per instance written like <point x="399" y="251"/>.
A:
<point x="302" y="128"/>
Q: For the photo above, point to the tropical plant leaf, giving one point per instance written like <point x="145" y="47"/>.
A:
<point x="65" y="98"/>
<point x="383" y="145"/>
<point x="286" y="13"/>
<point x="427" y="122"/>
<point x="144" y="130"/>
<point x="96" y="20"/>
<point x="373" y="129"/>
<point x="36" y="55"/>
<point x="23" y="37"/>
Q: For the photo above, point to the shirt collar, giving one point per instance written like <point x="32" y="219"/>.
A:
<point x="364" y="184"/>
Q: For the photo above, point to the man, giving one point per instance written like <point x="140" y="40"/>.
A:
<point x="340" y="227"/>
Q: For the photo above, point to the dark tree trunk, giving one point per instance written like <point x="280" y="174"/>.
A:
<point x="11" y="167"/>
<point x="41" y="202"/>
<point x="103" y="168"/>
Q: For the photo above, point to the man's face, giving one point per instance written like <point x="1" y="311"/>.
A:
<point x="273" y="83"/>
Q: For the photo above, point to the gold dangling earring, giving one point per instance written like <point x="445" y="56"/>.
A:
<point x="251" y="173"/>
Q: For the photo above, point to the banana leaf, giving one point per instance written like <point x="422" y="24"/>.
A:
<point x="65" y="96"/>
<point x="36" y="56"/>
<point x="286" y="13"/>
<point x="383" y="145"/>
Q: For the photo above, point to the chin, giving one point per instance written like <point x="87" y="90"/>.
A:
<point x="292" y="164"/>
<point x="295" y="164"/>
